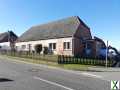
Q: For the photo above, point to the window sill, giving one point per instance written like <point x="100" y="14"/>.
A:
<point x="53" y="50"/>
<point x="67" y="50"/>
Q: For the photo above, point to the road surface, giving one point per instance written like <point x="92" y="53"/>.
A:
<point x="24" y="76"/>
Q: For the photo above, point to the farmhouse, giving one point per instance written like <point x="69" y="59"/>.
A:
<point x="62" y="37"/>
<point x="7" y="40"/>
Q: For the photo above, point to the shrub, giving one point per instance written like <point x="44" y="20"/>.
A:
<point x="38" y="48"/>
<point x="45" y="50"/>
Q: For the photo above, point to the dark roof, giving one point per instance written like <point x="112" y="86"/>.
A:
<point x="57" y="29"/>
<point x="7" y="35"/>
<point x="3" y="37"/>
<point x="100" y="40"/>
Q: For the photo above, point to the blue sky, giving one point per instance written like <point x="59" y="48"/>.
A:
<point x="102" y="16"/>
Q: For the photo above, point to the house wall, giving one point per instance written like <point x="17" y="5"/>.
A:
<point x="90" y="45"/>
<point x="81" y="35"/>
<point x="77" y="47"/>
<point x="5" y="46"/>
<point x="94" y="54"/>
<point x="98" y="47"/>
<point x="45" y="43"/>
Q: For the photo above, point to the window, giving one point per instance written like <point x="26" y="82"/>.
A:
<point x="23" y="46"/>
<point x="66" y="45"/>
<point x="89" y="45"/>
<point x="52" y="46"/>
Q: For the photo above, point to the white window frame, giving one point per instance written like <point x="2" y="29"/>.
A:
<point x="52" y="46"/>
<point x="66" y="45"/>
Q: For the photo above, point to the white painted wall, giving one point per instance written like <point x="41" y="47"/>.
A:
<point x="45" y="43"/>
<point x="5" y="46"/>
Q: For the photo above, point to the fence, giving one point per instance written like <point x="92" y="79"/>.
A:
<point x="60" y="59"/>
<point x="78" y="60"/>
<point x="34" y="56"/>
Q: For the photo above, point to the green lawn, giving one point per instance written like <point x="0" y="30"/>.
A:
<point x="77" y="67"/>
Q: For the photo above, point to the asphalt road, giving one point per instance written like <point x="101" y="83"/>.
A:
<point x="37" y="77"/>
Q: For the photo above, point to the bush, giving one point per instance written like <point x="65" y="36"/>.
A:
<point x="38" y="48"/>
<point x="45" y="50"/>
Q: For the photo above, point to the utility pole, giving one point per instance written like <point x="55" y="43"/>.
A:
<point x="106" y="53"/>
